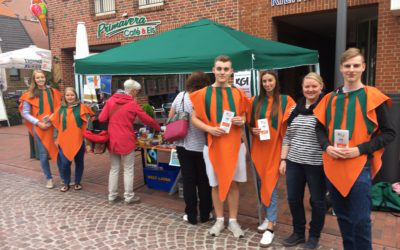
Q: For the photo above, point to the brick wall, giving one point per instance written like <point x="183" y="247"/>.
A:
<point x="256" y="18"/>
<point x="18" y="85"/>
<point x="251" y="16"/>
<point x="65" y="14"/>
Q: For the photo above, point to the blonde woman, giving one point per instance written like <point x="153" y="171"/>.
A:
<point x="36" y="107"/>
<point x="70" y="120"/>
<point x="301" y="161"/>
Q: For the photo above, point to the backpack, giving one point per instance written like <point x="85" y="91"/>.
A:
<point x="384" y="198"/>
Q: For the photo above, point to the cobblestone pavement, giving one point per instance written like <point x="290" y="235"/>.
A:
<point x="33" y="217"/>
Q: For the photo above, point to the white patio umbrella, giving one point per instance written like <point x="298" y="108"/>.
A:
<point x="27" y="58"/>
<point x="85" y="92"/>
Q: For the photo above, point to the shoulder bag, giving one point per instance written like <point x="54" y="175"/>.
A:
<point x="178" y="125"/>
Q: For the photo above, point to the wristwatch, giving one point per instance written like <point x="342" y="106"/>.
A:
<point x="283" y="159"/>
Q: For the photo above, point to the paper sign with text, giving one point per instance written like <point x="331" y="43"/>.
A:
<point x="242" y="80"/>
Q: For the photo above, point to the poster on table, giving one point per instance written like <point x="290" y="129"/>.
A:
<point x="242" y="80"/>
<point x="89" y="90"/>
<point x="105" y="84"/>
<point x="93" y="81"/>
<point x="151" y="157"/>
<point x="174" y="161"/>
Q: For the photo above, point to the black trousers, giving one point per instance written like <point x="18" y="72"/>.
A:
<point x="297" y="175"/>
<point x="195" y="184"/>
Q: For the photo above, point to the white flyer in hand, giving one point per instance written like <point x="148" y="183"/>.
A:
<point x="264" y="129"/>
<point x="341" y="138"/>
<point x="226" y="121"/>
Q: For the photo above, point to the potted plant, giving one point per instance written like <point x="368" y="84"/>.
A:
<point x="148" y="109"/>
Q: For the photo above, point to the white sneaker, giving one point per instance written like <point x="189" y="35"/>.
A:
<point x="266" y="239"/>
<point x="217" y="228"/>
<point x="234" y="227"/>
<point x="261" y="228"/>
<point x="135" y="199"/>
<point x="49" y="184"/>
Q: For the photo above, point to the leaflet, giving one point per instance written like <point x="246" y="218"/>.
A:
<point x="341" y="138"/>
<point x="226" y="121"/>
<point x="263" y="126"/>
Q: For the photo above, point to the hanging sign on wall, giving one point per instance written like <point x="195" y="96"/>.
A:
<point x="284" y="2"/>
<point x="130" y="27"/>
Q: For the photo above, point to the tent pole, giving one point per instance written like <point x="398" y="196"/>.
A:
<point x="317" y="69"/>
<point x="253" y="82"/>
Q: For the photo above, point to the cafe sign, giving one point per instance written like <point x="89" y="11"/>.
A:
<point x="130" y="27"/>
<point x="284" y="2"/>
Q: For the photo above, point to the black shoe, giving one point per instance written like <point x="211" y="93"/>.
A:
<point x="293" y="240"/>
<point x="192" y="219"/>
<point x="206" y="217"/>
<point x="312" y="243"/>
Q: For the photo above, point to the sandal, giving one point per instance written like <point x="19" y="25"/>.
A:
<point x="78" y="187"/>
<point x="64" y="188"/>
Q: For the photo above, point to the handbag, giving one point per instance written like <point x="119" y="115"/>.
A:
<point x="178" y="125"/>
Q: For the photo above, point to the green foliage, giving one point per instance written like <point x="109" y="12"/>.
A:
<point x="50" y="80"/>
<point x="13" y="114"/>
<point x="148" y="109"/>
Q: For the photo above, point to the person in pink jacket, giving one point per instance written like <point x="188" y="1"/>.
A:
<point x="120" y="111"/>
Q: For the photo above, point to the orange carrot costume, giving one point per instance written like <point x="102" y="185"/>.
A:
<point x="266" y="154"/>
<point x="45" y="104"/>
<point x="361" y="120"/>
<point x="209" y="104"/>
<point x="70" y="123"/>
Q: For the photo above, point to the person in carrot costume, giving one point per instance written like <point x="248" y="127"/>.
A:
<point x="354" y="127"/>
<point x="272" y="108"/>
<point x="225" y="154"/>
<point x="71" y="120"/>
<point x="36" y="106"/>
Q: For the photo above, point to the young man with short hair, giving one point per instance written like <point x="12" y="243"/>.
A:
<point x="354" y="127"/>
<point x="225" y="153"/>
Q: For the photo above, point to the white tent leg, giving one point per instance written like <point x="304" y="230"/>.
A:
<point x="317" y="69"/>
<point x="253" y="170"/>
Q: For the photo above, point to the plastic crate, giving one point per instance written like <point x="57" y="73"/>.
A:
<point x="161" y="179"/>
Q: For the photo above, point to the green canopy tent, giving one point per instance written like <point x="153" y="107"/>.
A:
<point x="193" y="47"/>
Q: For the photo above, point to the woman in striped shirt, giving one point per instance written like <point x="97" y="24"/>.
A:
<point x="190" y="154"/>
<point x="301" y="161"/>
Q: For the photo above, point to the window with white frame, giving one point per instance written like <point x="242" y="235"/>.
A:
<point x="150" y="3"/>
<point x="104" y="7"/>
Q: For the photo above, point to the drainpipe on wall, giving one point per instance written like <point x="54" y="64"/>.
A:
<point x="341" y="30"/>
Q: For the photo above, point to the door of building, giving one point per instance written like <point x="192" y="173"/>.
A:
<point x="367" y="43"/>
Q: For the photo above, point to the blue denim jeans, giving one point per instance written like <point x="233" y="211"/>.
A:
<point x="353" y="212"/>
<point x="43" y="156"/>
<point x="271" y="211"/>
<point x="64" y="165"/>
<point x="297" y="175"/>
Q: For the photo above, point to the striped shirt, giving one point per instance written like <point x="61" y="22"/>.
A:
<point x="302" y="141"/>
<point x="195" y="138"/>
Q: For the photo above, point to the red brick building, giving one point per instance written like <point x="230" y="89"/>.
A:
<point x="372" y="26"/>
